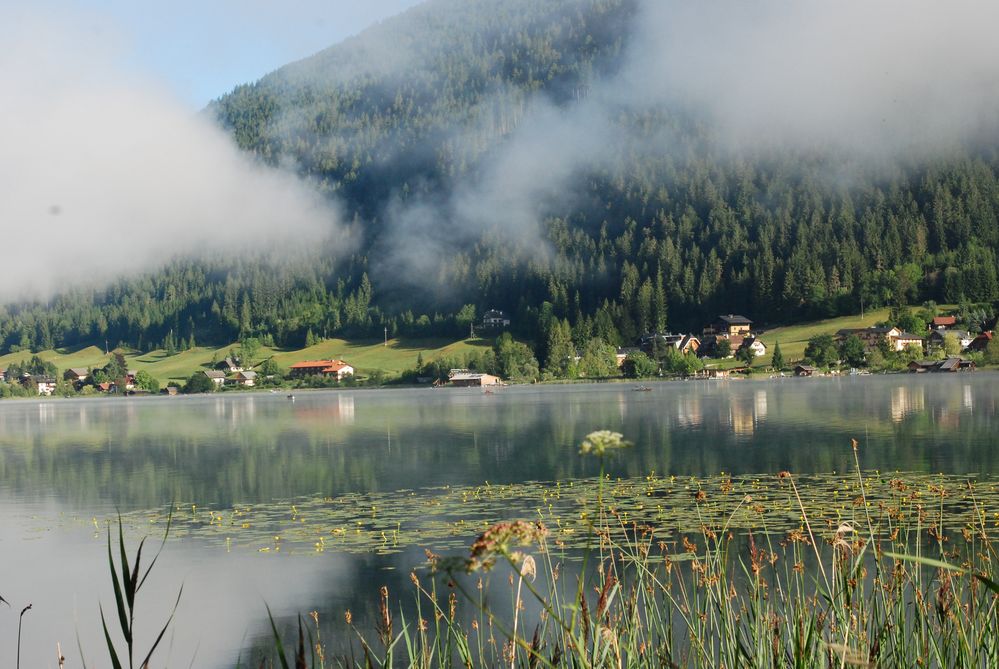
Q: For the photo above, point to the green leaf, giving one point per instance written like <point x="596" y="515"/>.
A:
<point x="277" y="639"/>
<point x="122" y="616"/>
<point x="115" y="663"/>
<point x="159" y="637"/>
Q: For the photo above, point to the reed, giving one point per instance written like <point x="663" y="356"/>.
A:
<point x="889" y="587"/>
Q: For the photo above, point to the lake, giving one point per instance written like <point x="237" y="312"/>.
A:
<point x="313" y="504"/>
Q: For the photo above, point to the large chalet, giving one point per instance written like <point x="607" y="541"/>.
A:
<point x="334" y="368"/>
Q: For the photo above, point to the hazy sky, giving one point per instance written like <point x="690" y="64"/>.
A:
<point x="202" y="49"/>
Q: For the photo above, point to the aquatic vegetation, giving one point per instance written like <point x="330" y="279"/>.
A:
<point x="862" y="571"/>
<point x="443" y="519"/>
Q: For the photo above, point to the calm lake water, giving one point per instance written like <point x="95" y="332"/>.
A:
<point x="237" y="466"/>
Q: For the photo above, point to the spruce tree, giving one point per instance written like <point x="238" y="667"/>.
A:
<point x="778" y="359"/>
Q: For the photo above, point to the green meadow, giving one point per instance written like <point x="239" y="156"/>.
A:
<point x="391" y="358"/>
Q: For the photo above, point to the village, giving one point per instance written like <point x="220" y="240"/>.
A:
<point x="727" y="346"/>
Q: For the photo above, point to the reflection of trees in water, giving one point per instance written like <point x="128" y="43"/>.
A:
<point x="225" y="450"/>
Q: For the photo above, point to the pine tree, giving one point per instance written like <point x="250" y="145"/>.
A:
<point x="778" y="359"/>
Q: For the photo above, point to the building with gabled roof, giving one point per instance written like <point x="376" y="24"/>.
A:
<point x="337" y="368"/>
<point x="729" y="325"/>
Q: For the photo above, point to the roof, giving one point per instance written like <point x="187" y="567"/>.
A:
<point x="944" y="321"/>
<point x="212" y="374"/>
<point x="807" y="368"/>
<point x="470" y="376"/>
<point x="79" y="371"/>
<point x="316" y="364"/>
<point x="735" y="319"/>
<point x="749" y="341"/>
<point x="909" y="335"/>
<point x="247" y="375"/>
<point x="950" y="363"/>
<point x="494" y="313"/>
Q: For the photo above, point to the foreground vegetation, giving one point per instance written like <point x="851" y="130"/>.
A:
<point x="894" y="585"/>
<point x="720" y="572"/>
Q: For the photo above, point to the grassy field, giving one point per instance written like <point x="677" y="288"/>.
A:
<point x="794" y="338"/>
<point x="365" y="356"/>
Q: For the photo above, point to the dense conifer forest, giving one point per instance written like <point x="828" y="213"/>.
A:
<point x="418" y="128"/>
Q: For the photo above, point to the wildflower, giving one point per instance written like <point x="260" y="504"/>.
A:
<point x="601" y="441"/>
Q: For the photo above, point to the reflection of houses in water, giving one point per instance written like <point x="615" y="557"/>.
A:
<point x="906" y="400"/>
<point x="969" y="399"/>
<point x="761" y="405"/>
<point x="746" y="413"/>
<point x="46" y="413"/>
<point x="340" y="410"/>
<point x="688" y="411"/>
<point x="740" y="413"/>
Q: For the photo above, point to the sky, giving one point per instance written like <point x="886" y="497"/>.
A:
<point x="202" y="49"/>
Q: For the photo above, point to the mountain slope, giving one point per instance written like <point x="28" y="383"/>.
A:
<point x="523" y="156"/>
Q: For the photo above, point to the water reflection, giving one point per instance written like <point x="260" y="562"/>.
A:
<point x="906" y="400"/>
<point x="82" y="458"/>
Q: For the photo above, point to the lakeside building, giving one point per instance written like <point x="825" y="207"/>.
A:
<point x="951" y="364"/>
<point x="896" y="338"/>
<point x="463" y="378"/>
<point x="335" y="368"/>
<point x="246" y="379"/>
<point x="684" y="343"/>
<point x="217" y="377"/>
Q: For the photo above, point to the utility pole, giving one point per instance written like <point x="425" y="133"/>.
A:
<point x="471" y="330"/>
<point x="386" y="336"/>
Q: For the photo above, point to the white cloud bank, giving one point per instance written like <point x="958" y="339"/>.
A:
<point x="103" y="173"/>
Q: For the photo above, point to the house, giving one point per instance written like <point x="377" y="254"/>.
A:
<point x="684" y="343"/>
<point x="897" y="340"/>
<point x="936" y="338"/>
<point x="130" y="379"/>
<point x="981" y="342"/>
<point x="462" y="378"/>
<point x="951" y="364"/>
<point x="45" y="385"/>
<point x="805" y="370"/>
<point x="104" y="387"/>
<point x="3" y="375"/>
<point x="753" y="343"/>
<point x="495" y="319"/>
<point x="337" y="368"/>
<point x="170" y="391"/>
<point x="621" y="353"/>
<point x="230" y="365"/>
<point x="943" y="322"/>
<point x="728" y="326"/>
<point x="76" y="375"/>
<point x="923" y="366"/>
<point x="245" y="379"/>
<point x="904" y="340"/>
<point x="217" y="377"/>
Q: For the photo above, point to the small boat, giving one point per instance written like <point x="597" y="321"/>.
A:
<point x="291" y="397"/>
<point x="642" y="389"/>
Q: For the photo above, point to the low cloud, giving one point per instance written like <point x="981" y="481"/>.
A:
<point x="103" y="173"/>
<point x="892" y="76"/>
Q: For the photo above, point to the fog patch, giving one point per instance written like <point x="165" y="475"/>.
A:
<point x="103" y="173"/>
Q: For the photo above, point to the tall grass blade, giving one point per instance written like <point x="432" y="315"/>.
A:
<point x="277" y="639"/>
<point x="112" y="653"/>
<point x="159" y="637"/>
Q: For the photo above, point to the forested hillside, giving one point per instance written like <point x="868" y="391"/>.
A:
<point x="495" y="154"/>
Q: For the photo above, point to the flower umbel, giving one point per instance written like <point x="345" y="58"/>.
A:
<point x="601" y="441"/>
